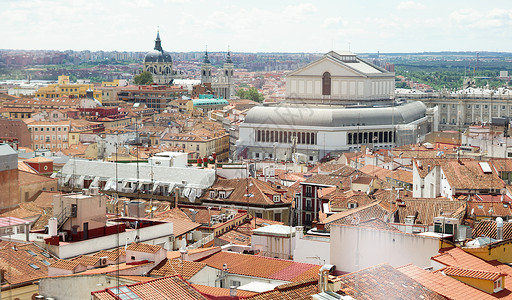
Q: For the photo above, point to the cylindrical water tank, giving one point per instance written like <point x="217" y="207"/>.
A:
<point x="52" y="227"/>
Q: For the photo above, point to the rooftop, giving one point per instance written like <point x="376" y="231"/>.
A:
<point x="260" y="266"/>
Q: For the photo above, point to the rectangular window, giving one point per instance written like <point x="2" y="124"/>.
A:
<point x="235" y="283"/>
<point x="309" y="190"/>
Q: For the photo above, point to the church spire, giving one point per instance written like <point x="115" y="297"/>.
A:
<point x="206" y="60"/>
<point x="158" y="42"/>
<point x="228" y="57"/>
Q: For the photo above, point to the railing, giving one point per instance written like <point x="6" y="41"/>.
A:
<point x="62" y="217"/>
<point x="201" y="242"/>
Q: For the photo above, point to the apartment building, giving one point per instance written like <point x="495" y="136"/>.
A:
<point x="48" y="135"/>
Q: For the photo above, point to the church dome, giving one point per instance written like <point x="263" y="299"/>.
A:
<point x="158" y="54"/>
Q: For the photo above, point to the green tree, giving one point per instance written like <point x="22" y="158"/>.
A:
<point x="251" y="94"/>
<point x="143" y="78"/>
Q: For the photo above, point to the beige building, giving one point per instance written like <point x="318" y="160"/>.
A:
<point x="203" y="142"/>
<point x="48" y="135"/>
<point x="64" y="88"/>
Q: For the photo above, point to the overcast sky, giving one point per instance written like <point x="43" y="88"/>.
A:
<point x="257" y="26"/>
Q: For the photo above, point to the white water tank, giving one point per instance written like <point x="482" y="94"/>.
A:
<point x="52" y="226"/>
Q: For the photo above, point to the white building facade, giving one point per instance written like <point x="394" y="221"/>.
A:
<point x="335" y="104"/>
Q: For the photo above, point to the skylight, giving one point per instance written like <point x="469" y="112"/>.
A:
<point x="31" y="252"/>
<point x="35" y="267"/>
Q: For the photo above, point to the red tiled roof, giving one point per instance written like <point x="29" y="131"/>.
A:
<point x="167" y="288"/>
<point x="488" y="228"/>
<point x="249" y="191"/>
<point x="170" y="267"/>
<point x="383" y="282"/>
<point x="65" y="264"/>
<point x="260" y="266"/>
<point x="140" y="247"/>
<point x="303" y="289"/>
<point x="378" y="210"/>
<point x="15" y="259"/>
<point x="448" y="287"/>
<point x="219" y="292"/>
<point x="462" y="272"/>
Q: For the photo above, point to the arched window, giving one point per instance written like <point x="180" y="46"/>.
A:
<point x="350" y="138"/>
<point x="326" y="84"/>
<point x="258" y="134"/>
<point x="313" y="140"/>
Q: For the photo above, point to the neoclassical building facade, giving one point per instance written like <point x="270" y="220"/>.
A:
<point x="335" y="104"/>
<point x="222" y="83"/>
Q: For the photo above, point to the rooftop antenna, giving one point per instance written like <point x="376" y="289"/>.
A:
<point x="116" y="209"/>
<point x="477" y="59"/>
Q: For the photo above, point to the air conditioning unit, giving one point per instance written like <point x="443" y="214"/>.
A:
<point x="93" y="191"/>
<point x="103" y="261"/>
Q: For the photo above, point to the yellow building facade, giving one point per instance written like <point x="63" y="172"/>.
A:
<point x="64" y="88"/>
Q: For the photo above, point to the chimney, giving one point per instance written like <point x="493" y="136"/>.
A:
<point x="176" y="192"/>
<point x="499" y="229"/>
<point x="27" y="231"/>
<point x="232" y="291"/>
<point x="323" y="274"/>
<point x="299" y="232"/>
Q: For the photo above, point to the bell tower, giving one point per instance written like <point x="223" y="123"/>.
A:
<point x="206" y="69"/>
<point x="228" y="73"/>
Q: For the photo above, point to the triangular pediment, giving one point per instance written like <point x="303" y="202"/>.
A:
<point x="327" y="64"/>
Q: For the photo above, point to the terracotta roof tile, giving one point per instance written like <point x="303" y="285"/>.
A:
<point x="86" y="260"/>
<point x="340" y="199"/>
<point x="167" y="288"/>
<point x="180" y="225"/>
<point x="377" y="210"/>
<point x="489" y="209"/>
<point x="488" y="228"/>
<point x="112" y="255"/>
<point x="65" y="264"/>
<point x="16" y="260"/>
<point x="220" y="292"/>
<point x="303" y="289"/>
<point x="171" y="267"/>
<point x="235" y="237"/>
<point x="140" y="247"/>
<point x="449" y="287"/>
<point x="259" y="192"/>
<point x="260" y="266"/>
<point x="463" y="272"/>
<point x="383" y="282"/>
<point x="427" y="208"/>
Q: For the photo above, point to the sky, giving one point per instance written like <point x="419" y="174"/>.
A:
<point x="257" y="26"/>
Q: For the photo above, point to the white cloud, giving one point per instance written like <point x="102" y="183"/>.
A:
<point x="410" y="5"/>
<point x="478" y="19"/>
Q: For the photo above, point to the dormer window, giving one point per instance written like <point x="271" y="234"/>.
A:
<point x="212" y="194"/>
<point x="352" y="205"/>
<point x="222" y="194"/>
<point x="276" y="198"/>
